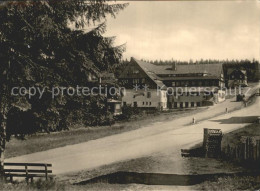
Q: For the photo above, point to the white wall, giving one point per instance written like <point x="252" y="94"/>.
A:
<point x="140" y="96"/>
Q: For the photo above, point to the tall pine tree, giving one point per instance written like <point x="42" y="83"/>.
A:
<point x="40" y="47"/>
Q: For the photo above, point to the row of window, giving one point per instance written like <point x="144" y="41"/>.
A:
<point x="133" y="71"/>
<point x="150" y="103"/>
<point x="195" y="83"/>
<point x="135" y="103"/>
<point x="183" y="75"/>
<point x="186" y="104"/>
<point x="175" y="83"/>
<point x="133" y="81"/>
<point x="235" y="77"/>
<point x="186" y="94"/>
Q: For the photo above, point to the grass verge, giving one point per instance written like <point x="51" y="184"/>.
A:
<point x="43" y="141"/>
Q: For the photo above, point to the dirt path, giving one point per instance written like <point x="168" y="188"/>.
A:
<point x="174" y="134"/>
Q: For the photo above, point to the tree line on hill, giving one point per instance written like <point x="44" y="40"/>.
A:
<point x="251" y="66"/>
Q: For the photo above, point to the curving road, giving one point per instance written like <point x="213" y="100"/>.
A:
<point x="176" y="134"/>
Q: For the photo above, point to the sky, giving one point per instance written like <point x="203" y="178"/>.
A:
<point x="185" y="30"/>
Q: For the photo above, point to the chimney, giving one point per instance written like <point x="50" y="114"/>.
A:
<point x="174" y="67"/>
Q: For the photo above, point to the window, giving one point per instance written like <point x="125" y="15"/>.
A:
<point x="135" y="71"/>
<point x="183" y="83"/>
<point x="173" y="84"/>
<point x="146" y="103"/>
<point x="150" y="103"/>
<point x="135" y="81"/>
<point x="124" y="103"/>
<point x="148" y="94"/>
<point x="117" y="106"/>
<point x="135" y="104"/>
<point x="124" y="81"/>
<point x="143" y="102"/>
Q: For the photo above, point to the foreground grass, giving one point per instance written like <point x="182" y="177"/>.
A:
<point x="43" y="141"/>
<point x="37" y="185"/>
<point x="224" y="183"/>
<point x="56" y="186"/>
<point x="231" y="183"/>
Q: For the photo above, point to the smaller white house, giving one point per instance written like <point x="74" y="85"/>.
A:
<point x="145" y="99"/>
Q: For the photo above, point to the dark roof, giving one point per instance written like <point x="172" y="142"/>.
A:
<point x="147" y="69"/>
<point x="209" y="69"/>
<point x="231" y="70"/>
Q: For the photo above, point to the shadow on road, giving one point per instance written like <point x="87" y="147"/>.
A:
<point x="237" y="120"/>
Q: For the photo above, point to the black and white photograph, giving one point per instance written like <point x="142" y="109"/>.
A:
<point x="113" y="95"/>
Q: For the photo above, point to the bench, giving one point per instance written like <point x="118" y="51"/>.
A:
<point x="27" y="170"/>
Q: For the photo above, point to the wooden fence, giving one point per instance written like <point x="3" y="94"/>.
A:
<point x="248" y="150"/>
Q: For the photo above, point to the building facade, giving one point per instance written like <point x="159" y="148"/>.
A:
<point x="237" y="77"/>
<point x="172" y="86"/>
<point x="141" y="87"/>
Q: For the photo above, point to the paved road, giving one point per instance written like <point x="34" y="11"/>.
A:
<point x="174" y="134"/>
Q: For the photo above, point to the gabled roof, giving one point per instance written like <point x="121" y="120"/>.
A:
<point x="231" y="70"/>
<point x="210" y="69"/>
<point x="147" y="69"/>
<point x="160" y="73"/>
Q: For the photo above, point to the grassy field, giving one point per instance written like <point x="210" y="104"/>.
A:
<point x="230" y="183"/>
<point x="233" y="138"/>
<point x="43" y="141"/>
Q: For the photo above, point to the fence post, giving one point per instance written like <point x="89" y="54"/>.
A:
<point x="205" y="141"/>
<point x="258" y="149"/>
<point x="26" y="172"/>
<point x="46" y="172"/>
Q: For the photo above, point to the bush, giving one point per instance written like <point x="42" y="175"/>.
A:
<point x="54" y="115"/>
<point x="36" y="185"/>
<point x="127" y="112"/>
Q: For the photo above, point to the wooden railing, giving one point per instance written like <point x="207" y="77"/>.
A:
<point x="27" y="170"/>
